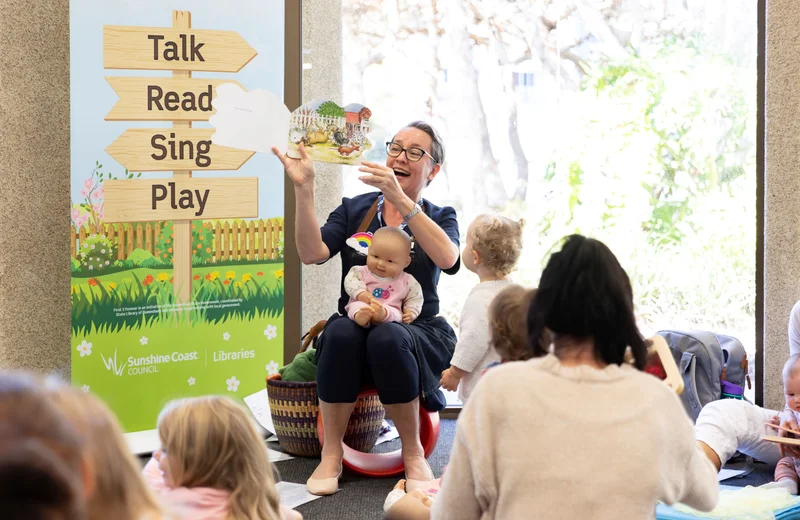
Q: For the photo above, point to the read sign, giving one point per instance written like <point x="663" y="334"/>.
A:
<point x="159" y="99"/>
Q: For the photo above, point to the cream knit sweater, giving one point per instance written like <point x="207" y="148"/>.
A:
<point x="541" y="440"/>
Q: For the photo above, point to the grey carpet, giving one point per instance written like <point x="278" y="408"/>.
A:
<point x="359" y="497"/>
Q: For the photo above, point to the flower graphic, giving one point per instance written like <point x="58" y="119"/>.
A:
<point x="93" y="282"/>
<point x="85" y="348"/>
<point x="226" y="336"/>
<point x="112" y="286"/>
<point x="85" y="389"/>
<point x="271" y="332"/>
<point x="213" y="275"/>
<point x="279" y="274"/>
<point x="230" y="275"/>
<point x="191" y="381"/>
<point x="233" y="384"/>
<point x="227" y="282"/>
<point x="238" y="284"/>
<point x="163" y="277"/>
<point x="260" y="273"/>
<point x="197" y="277"/>
<point x="272" y="368"/>
<point x="143" y="340"/>
<point x="246" y="277"/>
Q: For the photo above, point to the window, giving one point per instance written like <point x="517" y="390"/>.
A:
<point x="638" y="130"/>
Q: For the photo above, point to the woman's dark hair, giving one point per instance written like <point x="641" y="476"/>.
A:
<point x="585" y="293"/>
<point x="41" y="455"/>
<point x="437" y="146"/>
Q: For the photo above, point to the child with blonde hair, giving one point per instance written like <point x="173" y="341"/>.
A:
<point x="213" y="464"/>
<point x="492" y="250"/>
<point x="119" y="490"/>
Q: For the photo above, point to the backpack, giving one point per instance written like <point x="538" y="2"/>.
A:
<point x="705" y="360"/>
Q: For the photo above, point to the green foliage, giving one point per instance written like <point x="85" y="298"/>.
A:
<point x="141" y="258"/>
<point x="75" y="265"/>
<point x="330" y="109"/>
<point x="202" y="243"/>
<point x="98" y="308"/>
<point x="96" y="254"/>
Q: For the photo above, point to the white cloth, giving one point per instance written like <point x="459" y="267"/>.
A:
<point x="731" y="425"/>
<point x="794" y="330"/>
<point x="473" y="352"/>
<point x="541" y="440"/>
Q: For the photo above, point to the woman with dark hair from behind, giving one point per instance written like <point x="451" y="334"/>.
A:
<point x="43" y="468"/>
<point x="576" y="431"/>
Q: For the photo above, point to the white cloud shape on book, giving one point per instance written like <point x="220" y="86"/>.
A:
<point x="254" y="121"/>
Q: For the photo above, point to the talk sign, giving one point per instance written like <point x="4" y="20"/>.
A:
<point x="177" y="242"/>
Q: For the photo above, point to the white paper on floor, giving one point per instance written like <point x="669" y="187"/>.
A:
<point x="274" y="438"/>
<point x="258" y="403"/>
<point x="294" y="495"/>
<point x="725" y="474"/>
<point x="277" y="456"/>
<point x="388" y="436"/>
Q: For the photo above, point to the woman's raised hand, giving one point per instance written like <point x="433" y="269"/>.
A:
<point x="300" y="171"/>
<point x="382" y="177"/>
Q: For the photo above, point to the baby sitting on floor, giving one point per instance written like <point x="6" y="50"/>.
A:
<point x="381" y="291"/>
<point x="788" y="468"/>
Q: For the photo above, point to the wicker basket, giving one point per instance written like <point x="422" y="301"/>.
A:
<point x="294" y="409"/>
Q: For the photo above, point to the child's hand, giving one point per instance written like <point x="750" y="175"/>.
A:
<point x="449" y="380"/>
<point x="408" y="316"/>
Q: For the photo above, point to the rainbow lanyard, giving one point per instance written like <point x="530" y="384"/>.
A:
<point x="402" y="225"/>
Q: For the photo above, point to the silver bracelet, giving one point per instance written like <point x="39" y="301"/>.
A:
<point x="417" y="209"/>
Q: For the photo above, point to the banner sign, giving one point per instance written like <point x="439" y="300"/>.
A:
<point x="177" y="274"/>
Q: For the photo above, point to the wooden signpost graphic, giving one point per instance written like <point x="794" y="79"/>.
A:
<point x="152" y="99"/>
<point x="180" y="149"/>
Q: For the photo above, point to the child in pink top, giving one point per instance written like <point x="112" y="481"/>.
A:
<point x="381" y="291"/>
<point x="213" y="464"/>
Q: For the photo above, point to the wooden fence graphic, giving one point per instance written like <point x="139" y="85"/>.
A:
<point x="251" y="240"/>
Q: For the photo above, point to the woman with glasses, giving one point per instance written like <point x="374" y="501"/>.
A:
<point x="402" y="361"/>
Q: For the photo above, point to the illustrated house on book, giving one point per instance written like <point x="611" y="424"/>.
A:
<point x="357" y="119"/>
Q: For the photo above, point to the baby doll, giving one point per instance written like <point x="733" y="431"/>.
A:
<point x="381" y="291"/>
<point x="411" y="505"/>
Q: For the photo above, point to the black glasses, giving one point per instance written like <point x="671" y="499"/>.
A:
<point x="413" y="154"/>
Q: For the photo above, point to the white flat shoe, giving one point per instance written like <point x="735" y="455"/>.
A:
<point x="323" y="486"/>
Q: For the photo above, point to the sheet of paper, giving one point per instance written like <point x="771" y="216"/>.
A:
<point x="277" y="456"/>
<point x="258" y="403"/>
<point x="255" y="120"/>
<point x="725" y="474"/>
<point x="293" y="495"/>
<point x="388" y="436"/>
<point x="274" y="438"/>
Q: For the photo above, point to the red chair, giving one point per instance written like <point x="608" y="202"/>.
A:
<point x="387" y="464"/>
